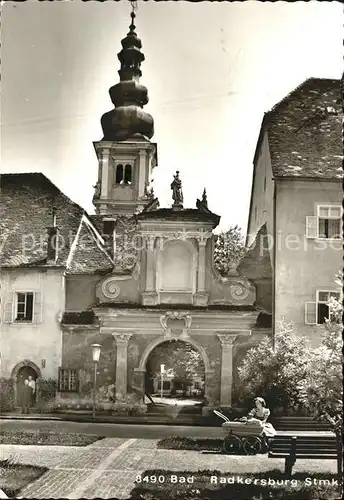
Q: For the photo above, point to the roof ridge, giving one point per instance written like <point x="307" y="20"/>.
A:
<point x="73" y="245"/>
<point x="97" y="238"/>
<point x="298" y="87"/>
<point x="46" y="179"/>
<point x="85" y="222"/>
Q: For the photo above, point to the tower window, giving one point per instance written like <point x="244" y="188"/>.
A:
<point x="119" y="174"/>
<point x="124" y="175"/>
<point x="128" y="174"/>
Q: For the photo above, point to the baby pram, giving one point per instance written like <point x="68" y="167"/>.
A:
<point x="244" y="435"/>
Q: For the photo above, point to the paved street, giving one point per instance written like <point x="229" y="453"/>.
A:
<point x="111" y="430"/>
<point x="108" y="468"/>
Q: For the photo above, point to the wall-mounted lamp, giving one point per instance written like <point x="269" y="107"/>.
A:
<point x="43" y="362"/>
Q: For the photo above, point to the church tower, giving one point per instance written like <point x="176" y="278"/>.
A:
<point x="126" y="155"/>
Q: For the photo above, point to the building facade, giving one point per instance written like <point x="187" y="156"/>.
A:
<point x="130" y="278"/>
<point x="296" y="203"/>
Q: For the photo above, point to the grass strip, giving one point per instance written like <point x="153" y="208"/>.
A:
<point x="14" y="477"/>
<point x="47" y="438"/>
<point x="188" y="443"/>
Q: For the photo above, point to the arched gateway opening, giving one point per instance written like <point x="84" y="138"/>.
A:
<point x="175" y="377"/>
<point x="26" y="370"/>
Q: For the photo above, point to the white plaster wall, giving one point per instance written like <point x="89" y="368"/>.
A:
<point x="33" y="342"/>
<point x="303" y="265"/>
<point x="262" y="194"/>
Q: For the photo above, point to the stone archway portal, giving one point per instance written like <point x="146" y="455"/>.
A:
<point x="140" y="371"/>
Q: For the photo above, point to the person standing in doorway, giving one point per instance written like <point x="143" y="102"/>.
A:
<point x="32" y="385"/>
<point x="26" y="397"/>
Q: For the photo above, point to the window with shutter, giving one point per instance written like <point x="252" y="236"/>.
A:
<point x="38" y="306"/>
<point x="311" y="226"/>
<point x="323" y="308"/>
<point x="24" y="307"/>
<point x="311" y="313"/>
<point x="8" y="308"/>
<point x="329" y="221"/>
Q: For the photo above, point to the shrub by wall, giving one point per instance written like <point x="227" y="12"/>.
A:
<point x="6" y="394"/>
<point x="46" y="394"/>
<point x="78" y="318"/>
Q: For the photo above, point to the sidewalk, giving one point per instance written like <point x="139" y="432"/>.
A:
<point x="192" y="420"/>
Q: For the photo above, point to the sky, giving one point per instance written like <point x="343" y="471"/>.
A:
<point x="212" y="69"/>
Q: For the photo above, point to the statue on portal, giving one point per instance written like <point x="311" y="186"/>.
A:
<point x="177" y="192"/>
<point x="149" y="191"/>
<point x="96" y="187"/>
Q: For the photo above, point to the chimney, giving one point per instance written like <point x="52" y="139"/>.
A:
<point x="52" y="251"/>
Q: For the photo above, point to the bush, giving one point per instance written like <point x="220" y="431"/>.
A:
<point x="6" y="394"/>
<point x="79" y="318"/>
<point x="47" y="394"/>
<point x="275" y="372"/>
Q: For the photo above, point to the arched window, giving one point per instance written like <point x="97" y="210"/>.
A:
<point x="128" y="174"/>
<point x="119" y="174"/>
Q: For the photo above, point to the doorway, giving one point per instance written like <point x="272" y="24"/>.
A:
<point x="23" y="374"/>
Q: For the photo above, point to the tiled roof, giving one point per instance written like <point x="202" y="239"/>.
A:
<point x="97" y="221"/>
<point x="305" y="131"/>
<point x="26" y="204"/>
<point x="88" y="254"/>
<point x="26" y="207"/>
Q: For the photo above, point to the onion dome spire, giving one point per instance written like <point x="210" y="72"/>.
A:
<point x="128" y="119"/>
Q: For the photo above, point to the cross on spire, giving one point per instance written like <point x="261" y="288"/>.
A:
<point x="134" y="6"/>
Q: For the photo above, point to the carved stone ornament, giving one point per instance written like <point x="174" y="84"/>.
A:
<point x="239" y="291"/>
<point x="122" y="338"/>
<point x="125" y="254"/>
<point x="227" y="339"/>
<point x="110" y="288"/>
<point x="186" y="316"/>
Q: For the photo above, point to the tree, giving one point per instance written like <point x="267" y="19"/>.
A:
<point x="185" y="360"/>
<point x="321" y="391"/>
<point x="229" y="249"/>
<point x="275" y="373"/>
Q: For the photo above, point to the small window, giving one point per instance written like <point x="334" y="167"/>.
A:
<point x="68" y="380"/>
<point x="264" y="184"/>
<point x="119" y="174"/>
<point x="108" y="226"/>
<point x="128" y="174"/>
<point x="323" y="309"/>
<point x="329" y="222"/>
<point x="24" y="306"/>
